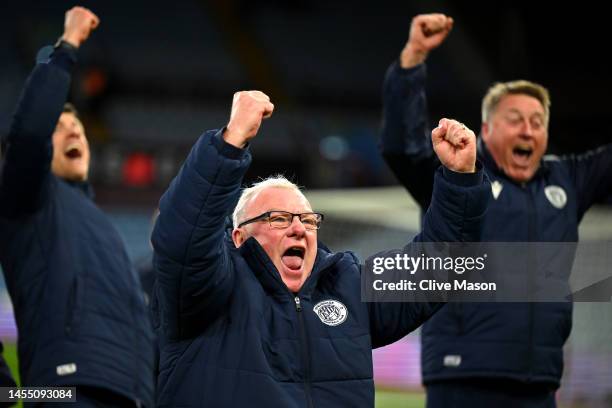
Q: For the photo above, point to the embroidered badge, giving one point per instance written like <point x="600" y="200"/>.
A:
<point x="331" y="312"/>
<point x="496" y="188"/>
<point x="556" y="195"/>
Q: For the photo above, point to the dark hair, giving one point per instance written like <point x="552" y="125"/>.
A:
<point x="70" y="108"/>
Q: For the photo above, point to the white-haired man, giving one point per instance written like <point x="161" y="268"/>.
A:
<point x="272" y="318"/>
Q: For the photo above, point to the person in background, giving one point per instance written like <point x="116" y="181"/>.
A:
<point x="78" y="304"/>
<point x="504" y="355"/>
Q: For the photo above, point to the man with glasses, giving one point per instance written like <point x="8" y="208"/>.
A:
<point x="271" y="317"/>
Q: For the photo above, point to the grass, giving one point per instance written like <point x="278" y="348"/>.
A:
<point x="10" y="356"/>
<point x="399" y="399"/>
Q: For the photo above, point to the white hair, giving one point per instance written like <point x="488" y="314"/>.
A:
<point x="249" y="194"/>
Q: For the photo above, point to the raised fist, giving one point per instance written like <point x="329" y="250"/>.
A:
<point x="249" y="108"/>
<point x="427" y="32"/>
<point x="455" y="145"/>
<point x="78" y="25"/>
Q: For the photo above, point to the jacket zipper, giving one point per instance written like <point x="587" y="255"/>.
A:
<point x="305" y="352"/>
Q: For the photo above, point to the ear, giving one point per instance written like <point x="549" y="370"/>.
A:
<point x="485" y="130"/>
<point x="238" y="236"/>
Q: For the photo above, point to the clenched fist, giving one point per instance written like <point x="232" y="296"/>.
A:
<point x="249" y="108"/>
<point x="78" y="25"/>
<point x="427" y="32"/>
<point x="455" y="146"/>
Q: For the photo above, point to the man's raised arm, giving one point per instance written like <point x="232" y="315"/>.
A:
<point x="459" y="202"/>
<point x="194" y="271"/>
<point x="27" y="150"/>
<point x="405" y="143"/>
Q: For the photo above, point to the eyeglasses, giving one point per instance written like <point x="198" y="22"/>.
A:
<point x="283" y="219"/>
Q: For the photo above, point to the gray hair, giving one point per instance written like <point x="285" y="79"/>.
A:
<point x="249" y="194"/>
<point x="520" y="87"/>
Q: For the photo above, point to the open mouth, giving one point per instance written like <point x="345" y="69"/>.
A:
<point x="522" y="154"/>
<point x="293" y="257"/>
<point x="73" y="151"/>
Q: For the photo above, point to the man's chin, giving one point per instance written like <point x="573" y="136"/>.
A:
<point x="293" y="285"/>
<point x="73" y="175"/>
<point x="80" y="177"/>
<point x="521" y="175"/>
<point x="293" y="278"/>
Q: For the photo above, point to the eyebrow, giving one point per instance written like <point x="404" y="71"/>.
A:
<point x="514" y="110"/>
<point x="276" y="209"/>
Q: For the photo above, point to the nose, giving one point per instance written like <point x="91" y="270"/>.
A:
<point x="296" y="228"/>
<point x="526" y="129"/>
<point x="74" y="132"/>
<point x="72" y="127"/>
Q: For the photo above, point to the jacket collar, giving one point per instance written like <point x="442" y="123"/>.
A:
<point x="269" y="277"/>
<point x="82" y="186"/>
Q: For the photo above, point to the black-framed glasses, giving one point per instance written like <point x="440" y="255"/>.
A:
<point x="283" y="219"/>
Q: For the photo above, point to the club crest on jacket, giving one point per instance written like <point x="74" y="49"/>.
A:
<point x="331" y="312"/>
<point x="556" y="195"/>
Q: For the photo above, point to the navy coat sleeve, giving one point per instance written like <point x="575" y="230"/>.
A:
<point x="195" y="275"/>
<point x="591" y="173"/>
<point x="456" y="213"/>
<point x="405" y="141"/>
<point x="28" y="149"/>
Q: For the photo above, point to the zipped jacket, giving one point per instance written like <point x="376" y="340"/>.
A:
<point x="232" y="334"/>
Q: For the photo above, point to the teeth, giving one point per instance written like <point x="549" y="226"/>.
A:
<point x="72" y="146"/>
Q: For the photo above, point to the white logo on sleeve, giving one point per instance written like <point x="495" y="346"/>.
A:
<point x="66" y="369"/>
<point x="496" y="188"/>
<point x="556" y="195"/>
<point x="452" y="360"/>
<point x="331" y="312"/>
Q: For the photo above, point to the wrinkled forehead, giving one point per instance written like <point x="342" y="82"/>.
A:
<point x="277" y="198"/>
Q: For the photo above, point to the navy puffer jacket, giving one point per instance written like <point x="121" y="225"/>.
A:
<point x="231" y="332"/>
<point x="79" y="307"/>
<point x="519" y="341"/>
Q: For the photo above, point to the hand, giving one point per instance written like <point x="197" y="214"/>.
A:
<point x="78" y="25"/>
<point x="427" y="32"/>
<point x="455" y="146"/>
<point x="249" y="108"/>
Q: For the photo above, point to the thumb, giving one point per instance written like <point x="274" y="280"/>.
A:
<point x="439" y="133"/>
<point x="268" y="109"/>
